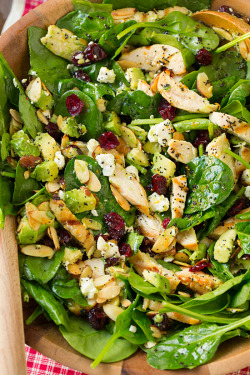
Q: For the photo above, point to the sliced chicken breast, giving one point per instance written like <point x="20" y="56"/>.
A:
<point x="231" y="124"/>
<point x="199" y="282"/>
<point x="178" y="196"/>
<point x="149" y="226"/>
<point x="188" y="239"/>
<point x="181" y="151"/>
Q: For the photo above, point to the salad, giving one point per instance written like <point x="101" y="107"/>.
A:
<point x="125" y="157"/>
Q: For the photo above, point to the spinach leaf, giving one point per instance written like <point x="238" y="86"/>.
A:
<point x="86" y="6"/>
<point x="169" y="266"/>
<point x="11" y="90"/>
<point x="240" y="92"/>
<point x="48" y="302"/>
<point x="90" y="116"/>
<point x="5" y="145"/>
<point x="135" y="241"/>
<point x="6" y="189"/>
<point x="194" y="5"/>
<point x="221" y="88"/>
<point x="215" y="306"/>
<point x="87" y="26"/>
<point x="237" y="109"/>
<point x="46" y="64"/>
<point x="68" y="290"/>
<point x="192" y="347"/>
<point x="243" y="232"/>
<point x="241" y="296"/>
<point x="24" y="188"/>
<point x="143" y="287"/>
<point x="210" y="182"/>
<point x="86" y="340"/>
<point x="143" y="321"/>
<point x="107" y="201"/>
<point x="140" y="5"/>
<point x="221" y="270"/>
<point x="42" y="270"/>
<point x="190" y="221"/>
<point x="37" y="312"/>
<point x="4" y="107"/>
<point x="135" y="104"/>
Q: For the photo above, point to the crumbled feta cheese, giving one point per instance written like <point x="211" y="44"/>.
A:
<point x="158" y="203"/>
<point x="132" y="329"/>
<point x="88" y="288"/>
<point x="66" y="264"/>
<point x="247" y="192"/>
<point x="161" y="133"/>
<point x="149" y="344"/>
<point x="245" y="177"/>
<point x="91" y="146"/>
<point x="79" y="56"/>
<point x="47" y="113"/>
<point x="129" y="229"/>
<point x="101" y="104"/>
<point x="106" y="76"/>
<point x="94" y="212"/>
<point x="15" y="82"/>
<point x="32" y="73"/>
<point x="24" y="80"/>
<point x="108" y="249"/>
<point x="59" y="160"/>
<point x="61" y="194"/>
<point x="168" y="259"/>
<point x="70" y="66"/>
<point x="134" y="171"/>
<point x="107" y="163"/>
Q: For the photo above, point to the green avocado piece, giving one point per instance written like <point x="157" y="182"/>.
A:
<point x="38" y="94"/>
<point x="69" y="126"/>
<point x="22" y="145"/>
<point x="133" y="75"/>
<point x="112" y="122"/>
<point x="140" y="133"/>
<point x="47" y="145"/>
<point x="27" y="235"/>
<point x="152" y="147"/>
<point x="78" y="201"/>
<point x="46" y="171"/>
<point x="163" y="166"/>
<point x="138" y="156"/>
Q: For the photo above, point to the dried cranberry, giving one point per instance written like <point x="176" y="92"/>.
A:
<point x="47" y="241"/>
<point x="104" y="236"/>
<point x="75" y="59"/>
<point x="97" y="318"/>
<point x="93" y="52"/>
<point x="115" y="225"/>
<point x="125" y="249"/>
<point x="202" y="138"/>
<point x="53" y="130"/>
<point x="166" y="110"/>
<point x="80" y="74"/>
<point x="149" y="187"/>
<point x="159" y="184"/>
<point x="146" y="246"/>
<point x="226" y="9"/>
<point x="108" y="141"/>
<point x="165" y="324"/>
<point x="165" y="222"/>
<point x="64" y="236"/>
<point x="237" y="207"/>
<point x="74" y="105"/>
<point x="204" y="57"/>
<point x="199" y="266"/>
<point x="113" y="261"/>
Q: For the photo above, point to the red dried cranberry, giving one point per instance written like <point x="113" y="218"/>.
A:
<point x="93" y="52"/>
<point x="166" y="110"/>
<point x="97" y="318"/>
<point x="202" y="138"/>
<point x="80" y="74"/>
<point x="74" y="105"/>
<point x="199" y="266"/>
<point x="237" y="207"/>
<point x="53" y="130"/>
<point x="125" y="249"/>
<point x="159" y="184"/>
<point x="226" y="9"/>
<point x="75" y="59"/>
<point x="47" y="241"/>
<point x="64" y="236"/>
<point x="115" y="225"/>
<point x="113" y="261"/>
<point x="104" y="236"/>
<point x="165" y="222"/>
<point x="204" y="57"/>
<point x="108" y="141"/>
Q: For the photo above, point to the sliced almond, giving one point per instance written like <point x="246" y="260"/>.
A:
<point x="44" y="206"/>
<point x="74" y="269"/>
<point x="128" y="136"/>
<point x="93" y="183"/>
<point x="41" y="117"/>
<point x="53" y="186"/>
<point x="112" y="311"/>
<point x="64" y="141"/>
<point x="145" y="304"/>
<point x="109" y="292"/>
<point x="155" y="332"/>
<point x="81" y="170"/>
<point x="30" y="209"/>
<point x="52" y="233"/>
<point x="41" y="217"/>
<point x="103" y="280"/>
<point x="26" y="175"/>
<point x="120" y="199"/>
<point x="204" y="86"/>
<point x="16" y="116"/>
<point x="166" y="240"/>
<point x="123" y="147"/>
<point x="125" y="302"/>
<point x="85" y="271"/>
<point x="81" y="145"/>
<point x="97" y="151"/>
<point x="223" y="33"/>
<point x="40" y="251"/>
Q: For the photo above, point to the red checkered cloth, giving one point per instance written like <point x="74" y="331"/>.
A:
<point x="37" y="363"/>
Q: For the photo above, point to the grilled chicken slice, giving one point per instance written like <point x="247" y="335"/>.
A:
<point x="130" y="189"/>
<point x="153" y="58"/>
<point x="181" y="151"/>
<point x="149" y="226"/>
<point x="183" y="318"/>
<point x="145" y="87"/>
<point x="166" y="240"/>
<point x="178" y="196"/>
<point x="177" y="94"/>
<point x="231" y="124"/>
<point x="142" y="261"/>
<point x="199" y="282"/>
<point x="244" y="152"/>
<point x="188" y="239"/>
<point x="216" y="148"/>
<point x="72" y="225"/>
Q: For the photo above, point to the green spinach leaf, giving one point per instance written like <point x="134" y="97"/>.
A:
<point x="135" y="241"/>
<point x="86" y="6"/>
<point x="243" y="232"/>
<point x="4" y="106"/>
<point x="241" y="296"/>
<point x="24" y="188"/>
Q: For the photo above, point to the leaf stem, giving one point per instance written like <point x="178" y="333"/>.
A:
<point x="9" y="174"/>
<point x="138" y="25"/>
<point x="237" y="157"/>
<point x="106" y="348"/>
<point x="32" y="197"/>
<point x="232" y="43"/>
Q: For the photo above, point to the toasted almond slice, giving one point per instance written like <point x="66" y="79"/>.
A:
<point x="40" y="251"/>
<point x="74" y="269"/>
<point x="97" y="151"/>
<point x="65" y="141"/>
<point x="53" y="186"/>
<point x="156" y="332"/>
<point x="125" y="302"/>
<point x="123" y="147"/>
<point x="103" y="280"/>
<point x="16" y="116"/>
<point x="86" y="271"/>
<point x="81" y="170"/>
<point x="41" y="217"/>
<point x="120" y="199"/>
<point x="166" y="240"/>
<point x="26" y="175"/>
<point x="44" y="206"/>
<point x="52" y="233"/>
<point x="109" y="292"/>
<point x="41" y="117"/>
<point x="112" y="311"/>
<point x="204" y="86"/>
<point x="93" y="183"/>
<point x="30" y="208"/>
<point x="223" y="33"/>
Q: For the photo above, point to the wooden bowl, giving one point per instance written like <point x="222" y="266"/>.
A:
<point x="43" y="336"/>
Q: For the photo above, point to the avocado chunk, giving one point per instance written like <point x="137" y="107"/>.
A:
<point x="133" y="75"/>
<point x="224" y="246"/>
<point x="71" y="255"/>
<point x="163" y="166"/>
<point x="140" y="133"/>
<point x="128" y="136"/>
<point x="22" y="145"/>
<point x="70" y="127"/>
<point x="46" y="171"/>
<point x="112" y="122"/>
<point x="152" y="147"/>
<point x="80" y="200"/>
<point x="63" y="42"/>
<point x="38" y="94"/>
<point x="47" y="145"/>
<point x="27" y="235"/>
<point x="138" y="157"/>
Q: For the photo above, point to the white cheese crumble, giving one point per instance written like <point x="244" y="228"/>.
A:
<point x="132" y="329"/>
<point x="158" y="203"/>
<point x="168" y="259"/>
<point x="247" y="192"/>
<point x="161" y="133"/>
<point x="106" y="76"/>
<point x="101" y="104"/>
<point x="245" y="177"/>
<point x="149" y="344"/>
<point x="59" y="159"/>
<point x="70" y="66"/>
<point x="108" y="249"/>
<point x="88" y="288"/>
<point x="91" y="146"/>
<point x="61" y="194"/>
<point x="94" y="212"/>
<point x="107" y="163"/>
<point x="134" y="171"/>
<point x="15" y="82"/>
